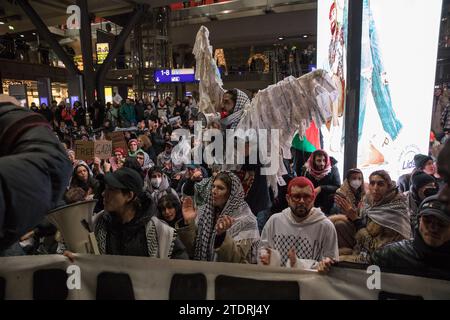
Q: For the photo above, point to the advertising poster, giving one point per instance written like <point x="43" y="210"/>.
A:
<point x="398" y="65"/>
<point x="102" y="52"/>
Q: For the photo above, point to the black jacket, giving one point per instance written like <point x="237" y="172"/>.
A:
<point x="329" y="184"/>
<point x="34" y="172"/>
<point x="130" y="239"/>
<point x="414" y="257"/>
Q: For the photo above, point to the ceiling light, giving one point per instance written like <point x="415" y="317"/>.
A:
<point x="226" y="11"/>
<point x="305" y="36"/>
<point x="1" y="22"/>
<point x="34" y="33"/>
<point x="22" y="36"/>
<point x="11" y="27"/>
<point x="280" y="38"/>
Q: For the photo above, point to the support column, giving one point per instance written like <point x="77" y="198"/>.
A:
<point x="44" y="88"/>
<point x="118" y="44"/>
<point x="86" y="50"/>
<point x="47" y="35"/>
<point x="355" y="14"/>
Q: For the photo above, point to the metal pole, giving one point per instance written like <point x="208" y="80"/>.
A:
<point x="355" y="15"/>
<point x="86" y="49"/>
<point x="118" y="44"/>
<point x="47" y="35"/>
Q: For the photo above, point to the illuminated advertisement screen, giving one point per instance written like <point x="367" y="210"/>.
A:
<point x="174" y="75"/>
<point x="398" y="66"/>
<point x="102" y="52"/>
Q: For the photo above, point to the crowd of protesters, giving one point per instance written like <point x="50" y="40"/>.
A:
<point x="147" y="205"/>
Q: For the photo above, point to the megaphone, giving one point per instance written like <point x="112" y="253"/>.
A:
<point x="207" y="118"/>
<point x="74" y="221"/>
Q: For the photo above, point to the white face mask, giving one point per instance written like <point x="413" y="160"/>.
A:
<point x="355" y="184"/>
<point x="156" y="182"/>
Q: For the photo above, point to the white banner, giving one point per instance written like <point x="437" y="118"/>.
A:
<point x="40" y="277"/>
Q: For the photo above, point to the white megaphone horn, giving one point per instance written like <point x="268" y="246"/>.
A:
<point x="74" y="221"/>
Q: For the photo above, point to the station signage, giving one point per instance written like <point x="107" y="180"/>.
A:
<point x="174" y="75"/>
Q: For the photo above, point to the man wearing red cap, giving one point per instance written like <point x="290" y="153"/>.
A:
<point x="301" y="235"/>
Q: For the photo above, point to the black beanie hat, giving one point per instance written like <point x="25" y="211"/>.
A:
<point x="420" y="179"/>
<point x="420" y="160"/>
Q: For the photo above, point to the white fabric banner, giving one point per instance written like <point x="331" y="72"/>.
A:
<point x="152" y="278"/>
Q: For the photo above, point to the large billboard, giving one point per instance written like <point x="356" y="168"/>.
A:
<point x="398" y="65"/>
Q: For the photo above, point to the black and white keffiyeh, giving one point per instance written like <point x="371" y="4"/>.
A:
<point x="245" y="226"/>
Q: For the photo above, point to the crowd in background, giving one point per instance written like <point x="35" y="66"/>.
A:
<point x="209" y="214"/>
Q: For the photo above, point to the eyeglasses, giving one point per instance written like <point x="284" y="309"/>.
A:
<point x="299" y="197"/>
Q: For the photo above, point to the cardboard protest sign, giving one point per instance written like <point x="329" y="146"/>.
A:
<point x="88" y="150"/>
<point x="118" y="140"/>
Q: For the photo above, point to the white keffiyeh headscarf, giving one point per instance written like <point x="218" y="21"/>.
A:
<point x="244" y="227"/>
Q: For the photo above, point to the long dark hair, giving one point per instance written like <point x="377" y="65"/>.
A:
<point x="169" y="201"/>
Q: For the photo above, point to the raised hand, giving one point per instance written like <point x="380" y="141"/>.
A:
<point x="325" y="265"/>
<point x="292" y="255"/>
<point x="189" y="213"/>
<point x="265" y="257"/>
<point x="223" y="224"/>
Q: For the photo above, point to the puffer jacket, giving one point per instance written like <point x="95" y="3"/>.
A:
<point x="414" y="256"/>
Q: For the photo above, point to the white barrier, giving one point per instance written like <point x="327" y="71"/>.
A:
<point x="153" y="279"/>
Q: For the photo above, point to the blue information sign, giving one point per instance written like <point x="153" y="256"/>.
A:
<point x="174" y="75"/>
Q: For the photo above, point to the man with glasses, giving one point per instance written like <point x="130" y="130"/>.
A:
<point x="300" y="235"/>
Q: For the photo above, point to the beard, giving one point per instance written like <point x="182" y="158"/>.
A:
<point x="300" y="211"/>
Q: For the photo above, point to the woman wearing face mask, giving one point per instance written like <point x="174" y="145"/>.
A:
<point x="158" y="185"/>
<point x="383" y="218"/>
<point x="222" y="229"/>
<point x="350" y="194"/>
<point x="422" y="186"/>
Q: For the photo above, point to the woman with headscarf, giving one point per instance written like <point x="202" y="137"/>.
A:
<point x="383" y="218"/>
<point x="82" y="177"/>
<point x="323" y="173"/>
<point x="145" y="161"/>
<point x="350" y="194"/>
<point x="158" y="184"/>
<point x="224" y="228"/>
<point x="133" y="147"/>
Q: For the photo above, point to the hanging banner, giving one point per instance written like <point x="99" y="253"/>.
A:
<point x="118" y="277"/>
<point x="398" y="65"/>
<point x="102" y="51"/>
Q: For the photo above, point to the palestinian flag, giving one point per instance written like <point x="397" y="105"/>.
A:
<point x="311" y="140"/>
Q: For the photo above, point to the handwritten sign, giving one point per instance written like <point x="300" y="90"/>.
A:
<point x="118" y="140"/>
<point x="88" y="150"/>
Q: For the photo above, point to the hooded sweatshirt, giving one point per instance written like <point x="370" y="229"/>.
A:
<point x="313" y="239"/>
<point x="163" y="189"/>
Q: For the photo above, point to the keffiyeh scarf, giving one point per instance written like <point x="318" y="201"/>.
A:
<point x="244" y="227"/>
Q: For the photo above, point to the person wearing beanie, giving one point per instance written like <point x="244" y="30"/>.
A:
<point x="133" y="148"/>
<point x="322" y="171"/>
<point x="422" y="186"/>
<point x="428" y="253"/>
<point x="300" y="236"/>
<point x="129" y="225"/>
<point x="422" y="163"/>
